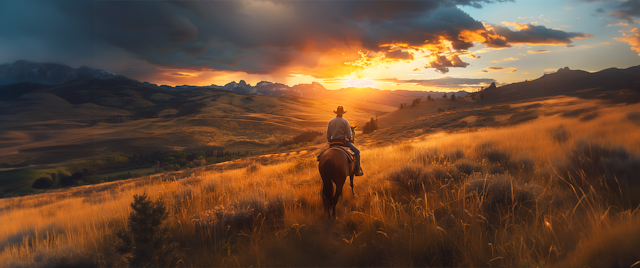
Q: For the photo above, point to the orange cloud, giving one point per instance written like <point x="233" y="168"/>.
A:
<point x="518" y="26"/>
<point x="507" y="59"/>
<point x="618" y="24"/>
<point x="538" y="51"/>
<point x="513" y="71"/>
<point x="632" y="38"/>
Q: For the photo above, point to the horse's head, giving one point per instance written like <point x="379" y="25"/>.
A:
<point x="353" y="132"/>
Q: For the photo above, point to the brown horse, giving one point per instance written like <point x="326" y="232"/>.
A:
<point x="334" y="167"/>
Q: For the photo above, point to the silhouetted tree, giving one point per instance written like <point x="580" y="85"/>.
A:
<point x="453" y="97"/>
<point x="445" y="96"/>
<point x="415" y="102"/>
<point x="429" y="98"/>
<point x="42" y="183"/>
<point x="146" y="243"/>
<point x="370" y="126"/>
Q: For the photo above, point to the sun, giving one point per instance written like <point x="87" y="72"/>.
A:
<point x="364" y="82"/>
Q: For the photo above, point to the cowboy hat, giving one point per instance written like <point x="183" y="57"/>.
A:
<point x="340" y="110"/>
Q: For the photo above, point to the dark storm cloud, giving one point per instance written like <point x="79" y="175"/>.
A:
<point x="627" y="10"/>
<point x="258" y="37"/>
<point x="442" y="82"/>
<point x="532" y="34"/>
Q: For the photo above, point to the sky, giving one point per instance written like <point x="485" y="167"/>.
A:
<point x="442" y="45"/>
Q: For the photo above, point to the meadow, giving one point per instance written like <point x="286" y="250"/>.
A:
<point x="552" y="192"/>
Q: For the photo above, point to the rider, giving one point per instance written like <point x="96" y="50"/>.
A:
<point x="339" y="130"/>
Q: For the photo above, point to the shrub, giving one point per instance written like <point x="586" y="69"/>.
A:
<point x="409" y="178"/>
<point x="146" y="242"/>
<point x="615" y="247"/>
<point x="42" y="183"/>
<point x="306" y="136"/>
<point x="591" y="166"/>
<point x="589" y="116"/>
<point x="370" y="126"/>
<point x="210" y="185"/>
<point x="183" y="197"/>
<point x="415" y="102"/>
<point x="468" y="167"/>
<point x="499" y="193"/>
<point x="433" y="156"/>
<point x="241" y="213"/>
<point x="440" y="174"/>
<point x="591" y="160"/>
<point x="453" y="97"/>
<point x="576" y="112"/>
<point x="494" y="155"/>
<point x="522" y="164"/>
<point x="522" y="117"/>
<point x="66" y="180"/>
<point x="560" y="134"/>
<point x="634" y="117"/>
<point x="64" y="257"/>
<point x="440" y="110"/>
<point x="253" y="168"/>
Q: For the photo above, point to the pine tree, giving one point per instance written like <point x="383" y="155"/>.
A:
<point x="146" y="243"/>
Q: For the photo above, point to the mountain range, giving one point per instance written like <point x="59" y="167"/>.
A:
<point x="57" y="74"/>
<point x="48" y="73"/>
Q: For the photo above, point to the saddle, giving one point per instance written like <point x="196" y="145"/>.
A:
<point x="340" y="146"/>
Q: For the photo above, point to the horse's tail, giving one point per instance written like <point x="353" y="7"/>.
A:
<point x="327" y="186"/>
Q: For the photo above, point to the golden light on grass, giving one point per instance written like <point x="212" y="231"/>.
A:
<point x="272" y="214"/>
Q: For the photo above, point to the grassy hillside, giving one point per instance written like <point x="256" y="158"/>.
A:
<point x="555" y="191"/>
<point x="44" y="128"/>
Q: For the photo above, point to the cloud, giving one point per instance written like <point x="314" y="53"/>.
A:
<point x="512" y="71"/>
<point x="506" y="59"/>
<point x="538" y="51"/>
<point x="448" y="82"/>
<point x="254" y="37"/>
<point x="442" y="63"/>
<point x="618" y="24"/>
<point x="417" y="70"/>
<point x="399" y="54"/>
<point x="496" y="68"/>
<point x="632" y="37"/>
<point x="530" y="34"/>
<point x="627" y="10"/>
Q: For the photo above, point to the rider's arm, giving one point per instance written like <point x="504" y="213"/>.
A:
<point x="328" y="131"/>
<point x="348" y="130"/>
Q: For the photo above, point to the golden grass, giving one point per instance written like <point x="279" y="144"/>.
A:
<point x="383" y="225"/>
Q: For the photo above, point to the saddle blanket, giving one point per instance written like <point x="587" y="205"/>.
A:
<point x="350" y="154"/>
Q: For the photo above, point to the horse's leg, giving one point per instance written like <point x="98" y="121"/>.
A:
<point x="351" y="183"/>
<point x="337" y="196"/>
